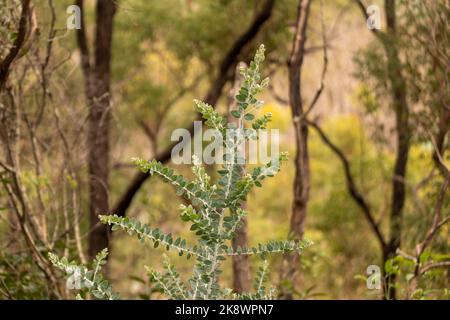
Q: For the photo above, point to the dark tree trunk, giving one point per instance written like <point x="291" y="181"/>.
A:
<point x="398" y="93"/>
<point x="301" y="179"/>
<point x="443" y="128"/>
<point x="241" y="263"/>
<point x="98" y="96"/>
<point x="400" y="106"/>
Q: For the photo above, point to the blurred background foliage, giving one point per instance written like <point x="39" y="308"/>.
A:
<point x="165" y="54"/>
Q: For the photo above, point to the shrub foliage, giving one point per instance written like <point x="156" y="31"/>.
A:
<point x="215" y="211"/>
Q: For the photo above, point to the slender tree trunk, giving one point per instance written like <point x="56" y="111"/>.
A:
<point x="443" y="128"/>
<point x="400" y="105"/>
<point x="98" y="162"/>
<point x="241" y="263"/>
<point x="98" y="96"/>
<point x="398" y="93"/>
<point x="301" y="179"/>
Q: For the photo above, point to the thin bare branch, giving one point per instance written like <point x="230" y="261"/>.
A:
<point x="351" y="185"/>
<point x="5" y="64"/>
